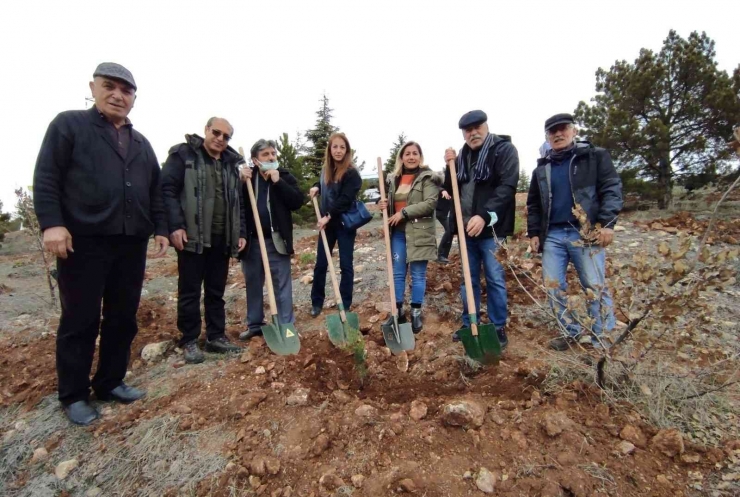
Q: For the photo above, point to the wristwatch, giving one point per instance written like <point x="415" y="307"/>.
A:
<point x="405" y="214"/>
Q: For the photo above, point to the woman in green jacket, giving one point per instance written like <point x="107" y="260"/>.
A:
<point x="412" y="198"/>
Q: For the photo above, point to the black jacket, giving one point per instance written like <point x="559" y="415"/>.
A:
<point x="346" y="193"/>
<point x="595" y="184"/>
<point x="285" y="197"/>
<point x="498" y="193"/>
<point x="82" y="183"/>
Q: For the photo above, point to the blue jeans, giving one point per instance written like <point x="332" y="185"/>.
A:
<point x="481" y="251"/>
<point x="418" y="270"/>
<point x="589" y="262"/>
<point x="335" y="234"/>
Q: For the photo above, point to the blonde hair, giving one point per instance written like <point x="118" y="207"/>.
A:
<point x="399" y="158"/>
<point x="334" y="172"/>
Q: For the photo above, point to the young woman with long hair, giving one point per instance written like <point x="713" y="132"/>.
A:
<point x="338" y="186"/>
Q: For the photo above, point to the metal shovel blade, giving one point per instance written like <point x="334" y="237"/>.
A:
<point x="398" y="337"/>
<point x="281" y="338"/>
<point x="340" y="332"/>
<point x="484" y="348"/>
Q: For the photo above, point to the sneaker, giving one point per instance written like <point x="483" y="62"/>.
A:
<point x="221" y="345"/>
<point x="563" y="343"/>
<point x="502" y="338"/>
<point x="192" y="353"/>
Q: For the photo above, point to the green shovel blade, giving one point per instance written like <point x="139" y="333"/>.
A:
<point x="339" y="332"/>
<point x="399" y="339"/>
<point x="281" y="338"/>
<point x="485" y="348"/>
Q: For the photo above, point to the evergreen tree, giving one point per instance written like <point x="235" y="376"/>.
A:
<point x="318" y="139"/>
<point x="5" y="222"/>
<point x="390" y="164"/>
<point x="667" y="114"/>
<point x="524" y="180"/>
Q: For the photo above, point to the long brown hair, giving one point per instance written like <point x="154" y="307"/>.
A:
<point x="333" y="172"/>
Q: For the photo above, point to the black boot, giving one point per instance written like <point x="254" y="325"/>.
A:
<point x="401" y="316"/>
<point x="417" y="322"/>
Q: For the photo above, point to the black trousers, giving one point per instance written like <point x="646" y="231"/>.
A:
<point x="107" y="269"/>
<point x="445" y="244"/>
<point x="210" y="271"/>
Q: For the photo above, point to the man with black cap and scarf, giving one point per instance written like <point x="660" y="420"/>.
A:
<point x="487" y="174"/>
<point x="574" y="173"/>
<point x="97" y="197"/>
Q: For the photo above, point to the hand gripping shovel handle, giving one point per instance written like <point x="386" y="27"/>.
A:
<point x="334" y="282"/>
<point x="263" y="249"/>
<point x="386" y="233"/>
<point x="463" y="249"/>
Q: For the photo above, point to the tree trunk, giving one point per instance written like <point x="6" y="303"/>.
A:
<point x="665" y="184"/>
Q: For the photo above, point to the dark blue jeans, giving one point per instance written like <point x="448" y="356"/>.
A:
<point x="335" y="234"/>
<point x="418" y="270"/>
<point x="481" y="253"/>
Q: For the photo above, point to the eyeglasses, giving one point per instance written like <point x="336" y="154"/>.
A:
<point x="217" y="133"/>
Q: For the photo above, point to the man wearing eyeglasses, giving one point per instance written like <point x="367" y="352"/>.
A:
<point x="574" y="173"/>
<point x="203" y="198"/>
<point x="97" y="198"/>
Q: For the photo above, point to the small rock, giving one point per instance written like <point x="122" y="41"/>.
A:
<point x="402" y="361"/>
<point x="557" y="423"/>
<point x="307" y="279"/>
<point x="299" y="397"/>
<point x="183" y="409"/>
<point x="366" y="411"/>
<point x="341" y="396"/>
<point x="467" y="475"/>
<point x="21" y="425"/>
<point x="407" y="485"/>
<point x="486" y="481"/>
<point x="634" y="435"/>
<point x="625" y="447"/>
<point x="669" y="442"/>
<point x="63" y="469"/>
<point x="619" y="228"/>
<point x="360" y="268"/>
<point x="321" y="443"/>
<point x="465" y="413"/>
<point x="230" y="467"/>
<point x="418" y="410"/>
<point x="153" y="351"/>
<point x="39" y="455"/>
<point x="662" y="480"/>
<point x="257" y="466"/>
<point x="94" y="492"/>
<point x="518" y="437"/>
<point x="330" y="481"/>
<point x="288" y="491"/>
<point x="260" y="370"/>
<point x="358" y="480"/>
<point x="245" y="357"/>
<point x="251" y="401"/>
<point x="254" y="481"/>
<point x="272" y="465"/>
<point x="690" y="458"/>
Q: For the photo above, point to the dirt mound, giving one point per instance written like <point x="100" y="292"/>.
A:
<point x="725" y="230"/>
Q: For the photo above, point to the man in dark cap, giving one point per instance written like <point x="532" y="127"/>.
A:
<point x="203" y="198"/>
<point x="97" y="198"/>
<point x="487" y="174"/>
<point x="574" y="174"/>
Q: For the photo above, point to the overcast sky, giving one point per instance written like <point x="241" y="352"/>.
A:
<point x="387" y="66"/>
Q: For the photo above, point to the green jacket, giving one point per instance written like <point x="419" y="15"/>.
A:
<point x="189" y="195"/>
<point x="421" y="239"/>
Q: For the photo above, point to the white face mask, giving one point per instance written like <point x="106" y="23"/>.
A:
<point x="268" y="166"/>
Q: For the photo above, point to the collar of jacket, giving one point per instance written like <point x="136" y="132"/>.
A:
<point x="228" y="156"/>
<point x="582" y="148"/>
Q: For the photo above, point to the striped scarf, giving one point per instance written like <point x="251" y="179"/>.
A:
<point x="481" y="172"/>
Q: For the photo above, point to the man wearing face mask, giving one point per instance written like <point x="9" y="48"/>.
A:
<point x="487" y="174"/>
<point x="573" y="173"/>
<point x="203" y="197"/>
<point x="277" y="195"/>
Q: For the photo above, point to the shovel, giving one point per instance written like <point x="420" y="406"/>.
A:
<point x="282" y="339"/>
<point x="398" y="337"/>
<point x="480" y="340"/>
<point x="338" y="326"/>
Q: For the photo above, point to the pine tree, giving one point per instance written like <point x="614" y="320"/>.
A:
<point x="668" y="114"/>
<point x="524" y="179"/>
<point x="319" y="139"/>
<point x="390" y="164"/>
<point x="5" y="222"/>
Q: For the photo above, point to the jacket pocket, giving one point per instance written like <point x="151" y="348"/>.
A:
<point x="423" y="232"/>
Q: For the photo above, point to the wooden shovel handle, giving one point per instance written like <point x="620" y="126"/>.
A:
<point x="463" y="246"/>
<point x="386" y="232"/>
<point x="263" y="249"/>
<point x="334" y="282"/>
